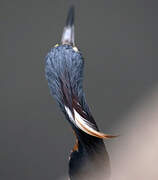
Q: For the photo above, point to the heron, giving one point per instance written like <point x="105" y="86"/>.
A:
<point x="64" y="66"/>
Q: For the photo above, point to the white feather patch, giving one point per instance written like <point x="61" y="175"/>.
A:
<point x="69" y="114"/>
<point x="85" y="125"/>
<point x="82" y="123"/>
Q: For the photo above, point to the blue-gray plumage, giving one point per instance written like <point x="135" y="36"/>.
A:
<point x="63" y="63"/>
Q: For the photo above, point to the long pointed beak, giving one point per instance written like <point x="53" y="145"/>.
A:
<point x="68" y="36"/>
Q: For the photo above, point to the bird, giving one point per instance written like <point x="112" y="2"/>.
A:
<point x="64" y="69"/>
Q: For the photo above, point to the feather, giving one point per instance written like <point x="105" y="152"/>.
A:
<point x="84" y="125"/>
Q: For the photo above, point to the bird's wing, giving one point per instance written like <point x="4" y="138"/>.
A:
<point x="82" y="120"/>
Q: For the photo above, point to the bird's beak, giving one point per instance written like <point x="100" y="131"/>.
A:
<point x="68" y="33"/>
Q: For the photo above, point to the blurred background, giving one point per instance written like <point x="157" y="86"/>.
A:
<point x="119" y="42"/>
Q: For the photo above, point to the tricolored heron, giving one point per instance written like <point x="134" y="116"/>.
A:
<point x="64" y="72"/>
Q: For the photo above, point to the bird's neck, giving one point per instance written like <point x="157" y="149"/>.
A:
<point x="87" y="142"/>
<point x="88" y="156"/>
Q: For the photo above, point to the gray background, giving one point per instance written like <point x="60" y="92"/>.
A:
<point x="118" y="39"/>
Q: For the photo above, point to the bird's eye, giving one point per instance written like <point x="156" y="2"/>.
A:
<point x="56" y="45"/>
<point x="75" y="49"/>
